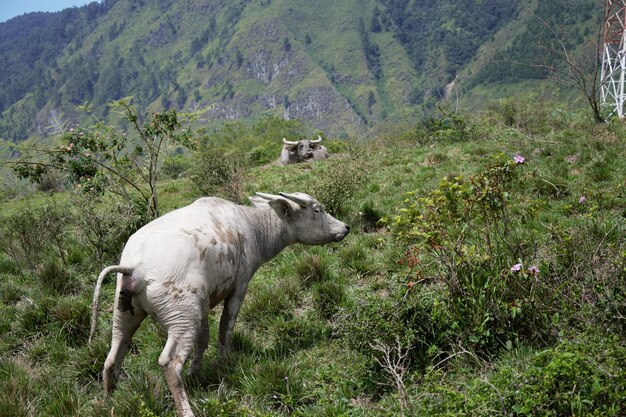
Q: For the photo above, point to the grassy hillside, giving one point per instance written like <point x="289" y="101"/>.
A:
<point x="484" y="276"/>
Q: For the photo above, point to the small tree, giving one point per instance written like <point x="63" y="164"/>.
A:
<point x="103" y="158"/>
<point x="565" y="69"/>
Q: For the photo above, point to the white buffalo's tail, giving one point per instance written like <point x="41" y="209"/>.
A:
<point x="96" y="295"/>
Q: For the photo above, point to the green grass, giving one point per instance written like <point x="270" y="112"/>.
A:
<point x="307" y="338"/>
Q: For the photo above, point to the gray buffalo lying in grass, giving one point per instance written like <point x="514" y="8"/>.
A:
<point x="302" y="151"/>
<point x="180" y="265"/>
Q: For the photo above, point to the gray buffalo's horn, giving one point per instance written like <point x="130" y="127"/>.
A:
<point x="287" y="142"/>
<point x="300" y="199"/>
<point x="318" y="140"/>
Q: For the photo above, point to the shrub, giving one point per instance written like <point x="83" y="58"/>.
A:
<point x="176" y="165"/>
<point x="337" y="182"/>
<point x="30" y="234"/>
<point x="106" y="224"/>
<point x="413" y="320"/>
<point x="445" y="124"/>
<point x="219" y="173"/>
<point x="480" y="244"/>
<point x="574" y="379"/>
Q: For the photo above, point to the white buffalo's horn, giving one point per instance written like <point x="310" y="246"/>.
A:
<point x="300" y="199"/>
<point x="287" y="142"/>
<point x="318" y="140"/>
<point x="267" y="196"/>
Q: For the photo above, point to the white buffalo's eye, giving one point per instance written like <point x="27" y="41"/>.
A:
<point x="317" y="209"/>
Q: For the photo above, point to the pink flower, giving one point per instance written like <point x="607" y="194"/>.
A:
<point x="71" y="129"/>
<point x="516" y="268"/>
<point x="519" y="159"/>
<point x="533" y="269"/>
<point x="582" y="199"/>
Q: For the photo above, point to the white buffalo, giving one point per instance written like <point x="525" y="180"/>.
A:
<point x="180" y="265"/>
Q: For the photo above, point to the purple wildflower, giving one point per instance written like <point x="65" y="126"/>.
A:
<point x="582" y="199"/>
<point x="519" y="159"/>
<point x="533" y="269"/>
<point x="516" y="268"/>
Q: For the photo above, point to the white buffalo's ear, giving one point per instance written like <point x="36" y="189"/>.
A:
<point x="282" y="207"/>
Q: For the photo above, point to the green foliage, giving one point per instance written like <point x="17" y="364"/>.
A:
<point x="218" y="173"/>
<point x="337" y="183"/>
<point x="468" y="231"/>
<point x="370" y="216"/>
<point x="18" y="390"/>
<point x="30" y="234"/>
<point x="100" y="158"/>
<point x="55" y="278"/>
<point x="266" y="303"/>
<point x="457" y="27"/>
<point x="313" y="269"/>
<point x="328" y="297"/>
<point x="277" y="385"/>
<point x="409" y="319"/>
<point x="573" y="379"/>
<point x="445" y="124"/>
<point x="537" y="47"/>
<point x="299" y="333"/>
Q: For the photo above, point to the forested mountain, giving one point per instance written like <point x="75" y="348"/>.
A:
<point x="340" y="66"/>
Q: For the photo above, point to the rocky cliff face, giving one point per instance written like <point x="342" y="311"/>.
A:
<point x="284" y="79"/>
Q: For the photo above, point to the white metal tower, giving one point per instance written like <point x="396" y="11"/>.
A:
<point x="613" y="73"/>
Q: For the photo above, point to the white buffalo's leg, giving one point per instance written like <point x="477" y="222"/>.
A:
<point x="202" y="342"/>
<point x="232" y="304"/>
<point x="172" y="360"/>
<point x="124" y="326"/>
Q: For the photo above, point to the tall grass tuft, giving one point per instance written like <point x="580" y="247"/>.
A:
<point x="328" y="296"/>
<point x="314" y="268"/>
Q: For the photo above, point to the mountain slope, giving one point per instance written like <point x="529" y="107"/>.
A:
<point x="340" y="66"/>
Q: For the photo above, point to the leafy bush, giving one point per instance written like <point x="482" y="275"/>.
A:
<point x="409" y="319"/>
<point x="337" y="182"/>
<point x="574" y="379"/>
<point x="218" y="173"/>
<point x="106" y="224"/>
<point x="444" y="124"/>
<point x="30" y="234"/>
<point x="482" y="250"/>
